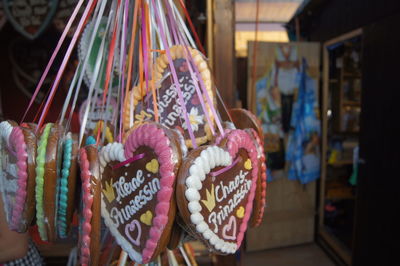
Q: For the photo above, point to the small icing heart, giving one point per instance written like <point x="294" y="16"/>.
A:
<point x="229" y="230"/>
<point x="240" y="212"/>
<point x="146" y="218"/>
<point x="152" y="166"/>
<point x="247" y="164"/>
<point x="130" y="228"/>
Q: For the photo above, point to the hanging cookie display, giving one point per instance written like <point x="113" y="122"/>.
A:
<point x="67" y="184"/>
<point x="169" y="107"/>
<point x="215" y="191"/>
<point x="90" y="222"/>
<point x="138" y="178"/>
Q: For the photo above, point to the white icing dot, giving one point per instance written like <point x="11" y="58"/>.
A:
<point x="201" y="227"/>
<point x="192" y="194"/>
<point x="193" y="182"/>
<point x="207" y="234"/>
<point x="196" y="170"/>
<point x="196" y="218"/>
<point x="126" y="173"/>
<point x="194" y="206"/>
<point x="148" y="175"/>
<point x="213" y="240"/>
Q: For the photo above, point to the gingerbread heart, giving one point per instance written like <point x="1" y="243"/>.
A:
<point x="14" y="175"/>
<point x="138" y="178"/>
<point x="215" y="191"/>
<point x="47" y="172"/>
<point x="168" y="104"/>
<point x="90" y="224"/>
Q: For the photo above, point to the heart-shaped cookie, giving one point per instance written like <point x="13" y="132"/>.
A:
<point x="168" y="104"/>
<point x="214" y="186"/>
<point x="15" y="174"/>
<point x="90" y="224"/>
<point x="138" y="178"/>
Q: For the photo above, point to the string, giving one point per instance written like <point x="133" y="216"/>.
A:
<point x="123" y="48"/>
<point x="192" y="26"/>
<point x="65" y="60"/>
<point x="130" y="160"/>
<point x="53" y="56"/>
<point x="205" y="92"/>
<point x="176" y="81"/>
<point x="255" y="47"/>
<point x="94" y="80"/>
<point x="130" y="57"/>
<point x="196" y="85"/>
<point x="111" y="54"/>
<point x="153" y="89"/>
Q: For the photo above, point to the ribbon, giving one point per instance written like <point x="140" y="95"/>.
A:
<point x="223" y="170"/>
<point x="130" y="160"/>
<point x="176" y="81"/>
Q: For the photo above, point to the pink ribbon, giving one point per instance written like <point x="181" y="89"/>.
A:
<point x="130" y="160"/>
<point x="223" y="170"/>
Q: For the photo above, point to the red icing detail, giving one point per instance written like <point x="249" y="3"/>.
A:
<point x="263" y="179"/>
<point x="240" y="139"/>
<point x="87" y="204"/>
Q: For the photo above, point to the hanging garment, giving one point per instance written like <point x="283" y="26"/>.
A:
<point x="303" y="152"/>
<point x="269" y="112"/>
<point x="286" y="79"/>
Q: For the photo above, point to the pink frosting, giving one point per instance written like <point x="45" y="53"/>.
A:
<point x="263" y="178"/>
<point x="17" y="141"/>
<point x="154" y="137"/>
<point x="87" y="208"/>
<point x="238" y="139"/>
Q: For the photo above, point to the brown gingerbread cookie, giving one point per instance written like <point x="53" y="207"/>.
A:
<point x="243" y="118"/>
<point x="138" y="179"/>
<point x="215" y="191"/>
<point x="168" y="103"/>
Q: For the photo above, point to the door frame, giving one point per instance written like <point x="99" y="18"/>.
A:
<point x="330" y="240"/>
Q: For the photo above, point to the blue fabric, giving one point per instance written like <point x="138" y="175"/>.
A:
<point x="303" y="146"/>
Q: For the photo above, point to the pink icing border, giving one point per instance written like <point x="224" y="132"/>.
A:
<point x="155" y="138"/>
<point x="238" y="139"/>
<point x="87" y="211"/>
<point x="17" y="140"/>
<point x="263" y="179"/>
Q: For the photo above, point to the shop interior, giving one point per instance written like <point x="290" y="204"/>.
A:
<point x="301" y="94"/>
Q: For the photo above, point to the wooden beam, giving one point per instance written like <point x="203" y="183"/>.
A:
<point x="224" y="50"/>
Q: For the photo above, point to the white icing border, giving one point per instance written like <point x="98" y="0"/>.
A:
<point x="115" y="152"/>
<point x="208" y="159"/>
